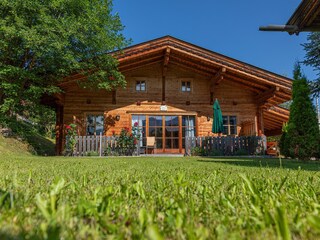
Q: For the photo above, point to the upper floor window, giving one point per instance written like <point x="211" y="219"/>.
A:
<point x="229" y="125"/>
<point x="94" y="124"/>
<point x="140" y="86"/>
<point x="186" y="86"/>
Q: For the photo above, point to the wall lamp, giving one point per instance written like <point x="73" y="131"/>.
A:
<point x="117" y="117"/>
<point x="208" y="118"/>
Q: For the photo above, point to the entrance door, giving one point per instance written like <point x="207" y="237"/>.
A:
<point x="171" y="132"/>
<point x="165" y="129"/>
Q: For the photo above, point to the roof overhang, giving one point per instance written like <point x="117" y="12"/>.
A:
<point x="214" y="66"/>
<point x="273" y="120"/>
<point x="306" y="18"/>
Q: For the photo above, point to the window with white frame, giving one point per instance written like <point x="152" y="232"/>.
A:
<point x="185" y="86"/>
<point x="140" y="86"/>
<point x="229" y="125"/>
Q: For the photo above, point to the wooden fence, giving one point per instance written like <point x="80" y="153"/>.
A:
<point x="102" y="146"/>
<point x="207" y="146"/>
<point x="226" y="146"/>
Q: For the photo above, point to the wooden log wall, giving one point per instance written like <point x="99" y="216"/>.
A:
<point x="234" y="100"/>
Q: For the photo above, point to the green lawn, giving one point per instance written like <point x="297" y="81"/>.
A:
<point x="155" y="198"/>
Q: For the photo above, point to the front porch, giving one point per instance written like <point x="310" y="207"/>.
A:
<point x="204" y="146"/>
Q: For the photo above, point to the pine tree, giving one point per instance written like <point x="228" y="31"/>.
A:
<point x="302" y="139"/>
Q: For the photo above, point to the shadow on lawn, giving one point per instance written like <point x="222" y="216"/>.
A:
<point x="265" y="163"/>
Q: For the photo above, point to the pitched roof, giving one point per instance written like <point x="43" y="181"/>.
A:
<point x="205" y="62"/>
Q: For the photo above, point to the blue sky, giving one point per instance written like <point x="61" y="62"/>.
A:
<point x="229" y="27"/>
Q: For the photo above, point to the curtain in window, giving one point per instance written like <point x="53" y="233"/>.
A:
<point x="189" y="130"/>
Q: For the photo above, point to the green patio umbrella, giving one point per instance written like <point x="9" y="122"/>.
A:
<point x="217" y="125"/>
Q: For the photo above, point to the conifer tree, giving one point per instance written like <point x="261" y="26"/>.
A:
<point x="302" y="139"/>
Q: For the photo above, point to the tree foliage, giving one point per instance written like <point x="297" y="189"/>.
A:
<point x="312" y="58"/>
<point x="41" y="41"/>
<point x="301" y="138"/>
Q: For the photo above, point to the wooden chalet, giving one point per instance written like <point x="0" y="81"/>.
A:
<point x="171" y="86"/>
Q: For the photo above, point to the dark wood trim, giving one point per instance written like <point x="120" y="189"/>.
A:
<point x="157" y="113"/>
<point x="197" y="125"/>
<point x="163" y="88"/>
<point x="114" y="97"/>
<point x="180" y="134"/>
<point x="59" y="130"/>
<point x="163" y="134"/>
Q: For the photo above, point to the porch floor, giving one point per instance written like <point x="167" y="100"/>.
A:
<point x="161" y="155"/>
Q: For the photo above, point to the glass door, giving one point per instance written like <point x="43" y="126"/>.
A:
<point x="156" y="130"/>
<point x="171" y="133"/>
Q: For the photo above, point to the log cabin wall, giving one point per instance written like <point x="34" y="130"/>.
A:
<point x="233" y="98"/>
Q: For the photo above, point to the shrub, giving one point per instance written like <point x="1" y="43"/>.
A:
<point x="127" y="141"/>
<point x="197" y="151"/>
<point x="71" y="133"/>
<point x="92" y="154"/>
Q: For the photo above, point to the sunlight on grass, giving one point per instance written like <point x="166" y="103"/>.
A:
<point x="156" y="198"/>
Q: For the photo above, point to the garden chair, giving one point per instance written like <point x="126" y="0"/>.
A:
<point x="151" y="143"/>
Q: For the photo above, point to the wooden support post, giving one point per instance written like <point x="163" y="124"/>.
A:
<point x="215" y="80"/>
<point x="114" y="97"/>
<point x="180" y="134"/>
<point x="59" y="130"/>
<point x="163" y="88"/>
<point x="260" y="119"/>
<point x="164" y="72"/>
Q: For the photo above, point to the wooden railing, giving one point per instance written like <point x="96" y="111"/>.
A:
<point x="102" y="146"/>
<point x="225" y="146"/>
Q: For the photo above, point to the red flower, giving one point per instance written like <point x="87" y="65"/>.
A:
<point x="136" y="124"/>
<point x="135" y="141"/>
<point x="131" y="135"/>
<point x="111" y="78"/>
<point x="68" y="127"/>
<point x="113" y="132"/>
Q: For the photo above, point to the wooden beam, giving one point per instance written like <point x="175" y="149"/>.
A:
<point x="267" y="95"/>
<point x="244" y="85"/>
<point x="165" y="62"/>
<point x="164" y="72"/>
<point x="203" y="73"/>
<point x="166" y="57"/>
<point x="138" y="54"/>
<point x="218" y="77"/>
<point x="140" y="66"/>
<point x="141" y="61"/>
<point x="193" y="64"/>
<point x="248" y="82"/>
<point x="59" y="98"/>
